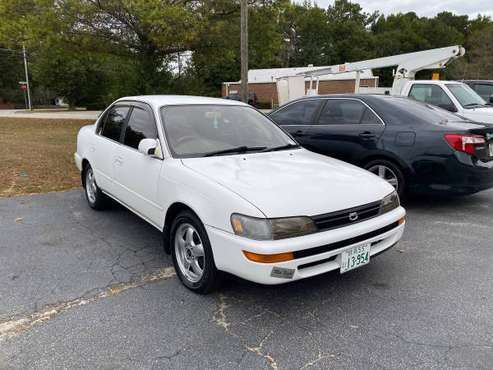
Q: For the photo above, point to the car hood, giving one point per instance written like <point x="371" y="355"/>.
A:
<point x="479" y="114"/>
<point x="292" y="183"/>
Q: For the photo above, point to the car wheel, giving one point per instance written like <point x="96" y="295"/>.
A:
<point x="192" y="254"/>
<point x="95" y="197"/>
<point x="389" y="172"/>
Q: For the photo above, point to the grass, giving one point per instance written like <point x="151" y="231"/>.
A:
<point x="37" y="155"/>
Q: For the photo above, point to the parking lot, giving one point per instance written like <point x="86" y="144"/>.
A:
<point x="85" y="289"/>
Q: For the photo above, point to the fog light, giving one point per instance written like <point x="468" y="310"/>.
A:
<point x="269" y="258"/>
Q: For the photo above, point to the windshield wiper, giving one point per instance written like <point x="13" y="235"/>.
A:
<point x="282" y="147"/>
<point x="473" y="105"/>
<point x="238" y="149"/>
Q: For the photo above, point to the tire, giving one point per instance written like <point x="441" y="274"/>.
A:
<point x="95" y="197"/>
<point x="389" y="172"/>
<point x="192" y="254"/>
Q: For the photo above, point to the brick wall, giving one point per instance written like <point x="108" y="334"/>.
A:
<point x="267" y="92"/>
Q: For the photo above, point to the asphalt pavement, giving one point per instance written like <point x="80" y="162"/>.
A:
<point x="87" y="289"/>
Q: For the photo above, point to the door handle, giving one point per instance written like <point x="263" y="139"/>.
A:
<point x="118" y="161"/>
<point x="367" y="135"/>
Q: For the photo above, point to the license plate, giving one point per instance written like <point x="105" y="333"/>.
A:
<point x="355" y="257"/>
<point x="491" y="149"/>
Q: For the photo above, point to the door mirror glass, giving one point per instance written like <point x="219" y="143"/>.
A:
<point x="150" y="147"/>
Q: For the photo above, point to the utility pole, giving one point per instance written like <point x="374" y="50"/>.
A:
<point x="27" y="78"/>
<point x="244" y="51"/>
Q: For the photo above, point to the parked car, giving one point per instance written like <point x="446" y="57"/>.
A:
<point x="252" y="98"/>
<point x="484" y="88"/>
<point x="231" y="191"/>
<point x="453" y="96"/>
<point x="416" y="147"/>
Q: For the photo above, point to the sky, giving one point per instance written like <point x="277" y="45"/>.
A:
<point x="421" y="7"/>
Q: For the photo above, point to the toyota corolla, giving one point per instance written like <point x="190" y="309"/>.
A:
<point x="232" y="192"/>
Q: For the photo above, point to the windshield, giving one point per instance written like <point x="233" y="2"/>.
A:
<point x="204" y="130"/>
<point x="466" y="96"/>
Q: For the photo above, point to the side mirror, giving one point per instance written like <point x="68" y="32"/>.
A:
<point x="450" y="107"/>
<point x="150" y="147"/>
<point x="491" y="99"/>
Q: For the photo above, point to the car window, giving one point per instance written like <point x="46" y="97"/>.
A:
<point x="466" y="96"/>
<point x="140" y="126"/>
<point x="370" y="118"/>
<point x="342" y="112"/>
<point x="485" y="91"/>
<point x="113" y="124"/>
<point x="199" y="130"/>
<point x="299" y="113"/>
<point x="431" y="94"/>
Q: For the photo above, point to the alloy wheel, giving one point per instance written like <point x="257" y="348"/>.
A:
<point x="91" y="187"/>
<point x="189" y="252"/>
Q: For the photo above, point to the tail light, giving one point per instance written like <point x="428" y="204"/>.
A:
<point x="465" y="143"/>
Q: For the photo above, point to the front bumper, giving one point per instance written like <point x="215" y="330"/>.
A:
<point x="228" y="249"/>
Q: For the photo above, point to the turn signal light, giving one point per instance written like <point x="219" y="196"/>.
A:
<point x="269" y="258"/>
<point x="402" y="221"/>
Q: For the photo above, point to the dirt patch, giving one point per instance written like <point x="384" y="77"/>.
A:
<point x="37" y="155"/>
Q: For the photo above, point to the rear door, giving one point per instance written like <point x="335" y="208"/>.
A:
<point x="346" y="129"/>
<point x="297" y="118"/>
<point x="106" y="142"/>
<point x="136" y="175"/>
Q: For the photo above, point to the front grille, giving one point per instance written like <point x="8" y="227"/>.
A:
<point x="342" y="218"/>
<point x="343" y="243"/>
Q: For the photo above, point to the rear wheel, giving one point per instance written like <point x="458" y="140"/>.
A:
<point x="389" y="172"/>
<point x="95" y="197"/>
<point x="192" y="254"/>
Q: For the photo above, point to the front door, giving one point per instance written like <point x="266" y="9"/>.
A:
<point x="297" y="119"/>
<point x="136" y="175"/>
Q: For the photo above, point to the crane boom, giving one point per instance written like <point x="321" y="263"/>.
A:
<point x="407" y="65"/>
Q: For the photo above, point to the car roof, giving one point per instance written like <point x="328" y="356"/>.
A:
<point x="488" y="82"/>
<point x="158" y="101"/>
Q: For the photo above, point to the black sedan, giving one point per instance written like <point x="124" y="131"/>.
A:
<point x="414" y="146"/>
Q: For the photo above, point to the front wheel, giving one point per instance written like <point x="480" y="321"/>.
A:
<point x="389" y="172"/>
<point x="192" y="254"/>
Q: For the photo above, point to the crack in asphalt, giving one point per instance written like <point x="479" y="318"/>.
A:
<point x="16" y="326"/>
<point x="220" y="319"/>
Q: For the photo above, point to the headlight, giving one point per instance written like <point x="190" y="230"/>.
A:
<point x="271" y="229"/>
<point x="389" y="203"/>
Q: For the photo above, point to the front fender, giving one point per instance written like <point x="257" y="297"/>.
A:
<point x="213" y="203"/>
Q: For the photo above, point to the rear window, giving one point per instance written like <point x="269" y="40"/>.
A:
<point x="407" y="110"/>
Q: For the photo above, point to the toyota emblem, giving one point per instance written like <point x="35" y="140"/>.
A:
<point x="353" y="216"/>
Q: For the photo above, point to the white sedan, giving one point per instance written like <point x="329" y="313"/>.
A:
<point x="232" y="192"/>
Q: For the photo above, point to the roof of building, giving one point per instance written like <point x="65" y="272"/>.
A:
<point x="271" y="74"/>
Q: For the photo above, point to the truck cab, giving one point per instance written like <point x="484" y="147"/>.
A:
<point x="453" y="96"/>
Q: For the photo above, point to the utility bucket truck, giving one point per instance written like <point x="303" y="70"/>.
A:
<point x="454" y="96"/>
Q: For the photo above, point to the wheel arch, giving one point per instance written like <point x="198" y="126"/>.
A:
<point x="406" y="169"/>
<point x="171" y="213"/>
<point x="84" y="165"/>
